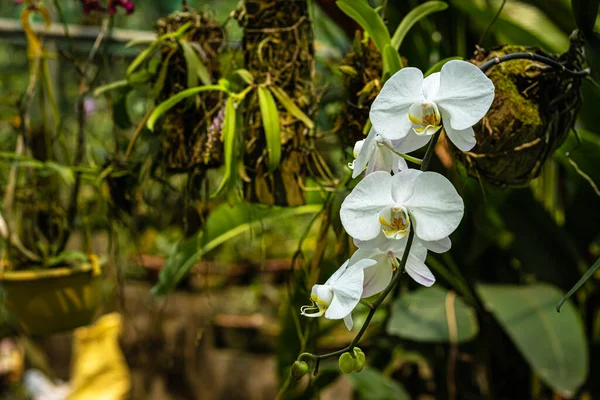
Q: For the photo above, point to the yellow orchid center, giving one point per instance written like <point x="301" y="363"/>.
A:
<point x="395" y="222"/>
<point x="427" y="116"/>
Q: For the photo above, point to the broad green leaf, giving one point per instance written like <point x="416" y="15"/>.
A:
<point x="588" y="274"/>
<point x="195" y="67"/>
<point x="271" y="126"/>
<point x="222" y="224"/>
<point x="171" y="101"/>
<point x="290" y="106"/>
<point x="553" y="344"/>
<point x="392" y="62"/>
<point x="111" y="86"/>
<point x="437" y="67"/>
<point x="422" y="316"/>
<point x="150" y="49"/>
<point x="230" y="147"/>
<point x="586" y="12"/>
<point x="370" y="384"/>
<point x="368" y="19"/>
<point x="414" y="16"/>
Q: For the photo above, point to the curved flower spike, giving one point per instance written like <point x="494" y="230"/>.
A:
<point x="393" y="204"/>
<point x="374" y="154"/>
<point x="409" y="107"/>
<point x="337" y="297"/>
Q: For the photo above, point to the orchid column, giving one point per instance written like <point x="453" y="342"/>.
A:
<point x="395" y="219"/>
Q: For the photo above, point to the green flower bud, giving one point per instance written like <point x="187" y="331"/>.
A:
<point x="299" y="369"/>
<point x="347" y="363"/>
<point x="360" y="359"/>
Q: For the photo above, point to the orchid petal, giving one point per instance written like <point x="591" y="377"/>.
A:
<point x="399" y="165"/>
<point x="463" y="139"/>
<point x="382" y="160"/>
<point x="346" y="294"/>
<point x="377" y="277"/>
<point x="389" y="112"/>
<point x="410" y="142"/>
<point x="465" y="94"/>
<point x="348" y="321"/>
<point x="438" y="246"/>
<point x="431" y="85"/>
<point x="337" y="274"/>
<point x="380" y="241"/>
<point x="403" y="184"/>
<point x="360" y="210"/>
<point x="419" y="272"/>
<point x="435" y="206"/>
<point x="365" y="153"/>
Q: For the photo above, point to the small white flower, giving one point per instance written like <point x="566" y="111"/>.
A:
<point x="337" y="297"/>
<point x="385" y="203"/>
<point x="374" y="154"/>
<point x="413" y="109"/>
<point x="387" y="253"/>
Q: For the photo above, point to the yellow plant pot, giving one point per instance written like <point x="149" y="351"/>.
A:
<point x="53" y="300"/>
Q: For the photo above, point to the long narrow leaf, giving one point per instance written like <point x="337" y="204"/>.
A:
<point x="579" y="284"/>
<point x="414" y="16"/>
<point x="111" y="86"/>
<point x="368" y="19"/>
<point x="195" y="67"/>
<point x="171" y="101"/>
<point x="290" y="106"/>
<point x="437" y="67"/>
<point x="222" y="224"/>
<point x="391" y="61"/>
<point x="271" y="126"/>
<point x="150" y="49"/>
<point x="230" y="146"/>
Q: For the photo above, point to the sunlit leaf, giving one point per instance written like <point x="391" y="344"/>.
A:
<point x="414" y="16"/>
<point x="245" y="75"/>
<point x="290" y="106"/>
<point x="195" y="67"/>
<point x="222" y="224"/>
<point x="171" y="101"/>
<point x="230" y="147"/>
<point x="150" y="49"/>
<point x="111" y="86"/>
<point x="368" y="19"/>
<point x="271" y="126"/>
<point x="423" y="316"/>
<point x="553" y="344"/>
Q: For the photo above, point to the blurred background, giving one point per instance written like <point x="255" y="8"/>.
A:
<point x="199" y="296"/>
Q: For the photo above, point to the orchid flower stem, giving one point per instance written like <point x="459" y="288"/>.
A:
<point x="430" y="150"/>
<point x="375" y="305"/>
<point x="415" y="160"/>
<point x="535" y="57"/>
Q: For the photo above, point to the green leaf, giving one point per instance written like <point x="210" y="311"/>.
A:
<point x="290" y="106"/>
<point x="368" y="19"/>
<point x="370" y="384"/>
<point x="171" y="101"/>
<point x="65" y="173"/>
<point x="162" y="74"/>
<point x="586" y="12"/>
<point x="592" y="51"/>
<point x="271" y="126"/>
<point x="111" y="86"/>
<point x="414" y="16"/>
<point x="588" y="274"/>
<point x="553" y="344"/>
<point x="230" y="147"/>
<point x="422" y="316"/>
<point x="150" y="49"/>
<point x="392" y="62"/>
<point x="195" y="67"/>
<point x="245" y="75"/>
<point x="437" y="67"/>
<point x="222" y="224"/>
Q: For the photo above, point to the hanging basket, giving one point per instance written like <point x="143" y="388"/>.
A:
<point x="53" y="300"/>
<point x="190" y="132"/>
<point x="534" y="109"/>
<point x="278" y="50"/>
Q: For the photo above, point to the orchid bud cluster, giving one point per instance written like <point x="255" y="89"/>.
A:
<point x="392" y="200"/>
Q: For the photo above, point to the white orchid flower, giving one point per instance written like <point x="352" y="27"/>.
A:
<point x="413" y="109"/>
<point x="337" y="297"/>
<point x="387" y="253"/>
<point x="375" y="153"/>
<point x="424" y="201"/>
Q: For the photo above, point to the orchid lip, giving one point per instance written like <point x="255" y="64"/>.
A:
<point x="307" y="311"/>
